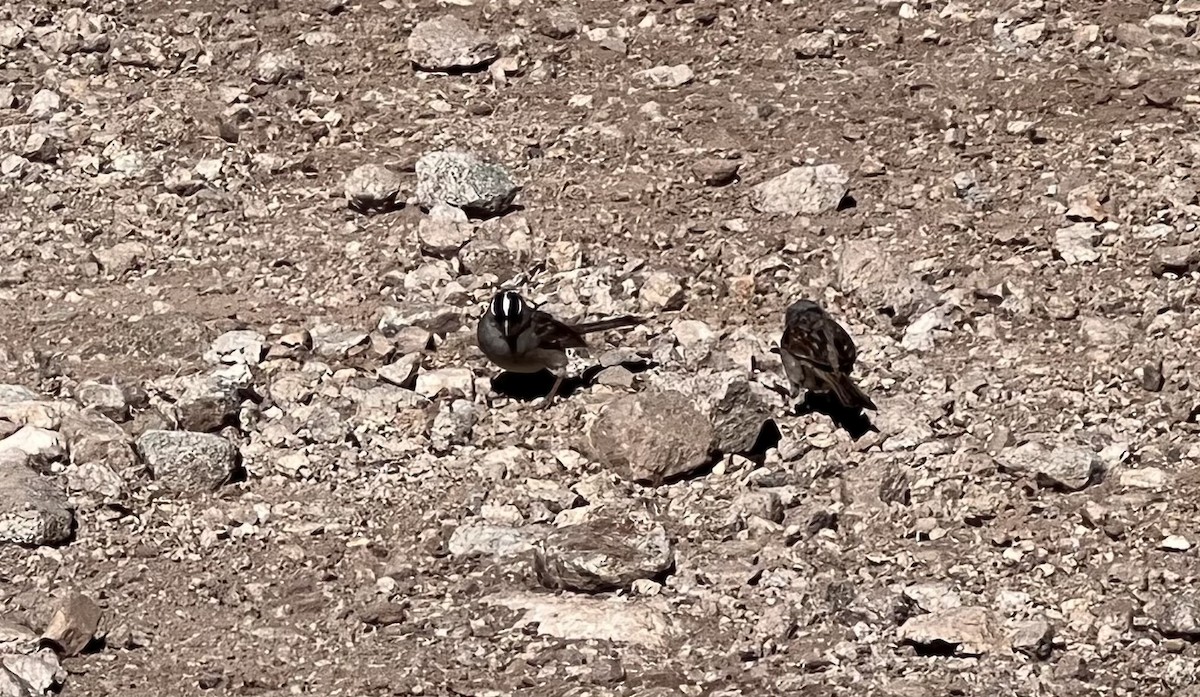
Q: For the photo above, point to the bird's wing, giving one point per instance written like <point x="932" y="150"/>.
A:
<point x="843" y="353"/>
<point x="808" y="343"/>
<point x="553" y="334"/>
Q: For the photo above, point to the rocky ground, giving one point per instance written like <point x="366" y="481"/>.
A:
<point x="248" y="446"/>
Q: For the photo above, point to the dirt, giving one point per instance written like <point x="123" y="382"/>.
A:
<point x="908" y="96"/>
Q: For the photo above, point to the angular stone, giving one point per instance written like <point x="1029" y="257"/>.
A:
<point x="479" y="538"/>
<point x="373" y="188"/>
<point x="464" y="181"/>
<point x="584" y="619"/>
<point x="186" y="461"/>
<point x="665" y="76"/>
<point x="1065" y="467"/>
<point x="451" y="381"/>
<point x="1176" y="614"/>
<point x="805" y="190"/>
<point x="73" y="625"/>
<point x="961" y="631"/>
<point x="447" y="43"/>
<point x="242" y="346"/>
<point x="274" y="67"/>
<point x="107" y="399"/>
<point x="651" y="436"/>
<point x="33" y="508"/>
<point x="606" y="552"/>
<point x="1177" y="259"/>
<point x="737" y="408"/>
<point x="1077" y="244"/>
<point x="206" y="403"/>
<point x="712" y="171"/>
<point x="94" y="438"/>
<point x="442" y="237"/>
<point x="38" y="444"/>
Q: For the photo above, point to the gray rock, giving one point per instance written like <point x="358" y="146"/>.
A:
<point x="1102" y="331"/>
<point x="442" y="237"/>
<point x="501" y="246"/>
<point x="1177" y="259"/>
<point x="92" y="438"/>
<point x="447" y="43"/>
<point x="738" y="410"/>
<point x="242" y="346"/>
<point x="274" y="67"/>
<point x="206" y="403"/>
<point x="482" y="539"/>
<point x="661" y="291"/>
<point x="1064" y="467"/>
<point x="37" y="674"/>
<point x="10" y="684"/>
<point x="1077" y="244"/>
<point x="651" y="436"/>
<point x="695" y="341"/>
<point x="186" y="461"/>
<point x="607" y="552"/>
<point x="33" y="508"/>
<point x="464" y="181"/>
<point x="759" y="504"/>
<point x="333" y="342"/>
<point x="712" y="171"/>
<point x="557" y="23"/>
<point x="616" y="376"/>
<point x="665" y="76"/>
<point x="812" y="45"/>
<point x="453" y="425"/>
<point x="450" y="381"/>
<point x="44" y="104"/>
<point x="432" y="318"/>
<point x="1034" y="638"/>
<point x="403" y="372"/>
<point x="11" y="34"/>
<point x="595" y="619"/>
<point x="11" y="394"/>
<point x="109" y="400"/>
<point x="320" y="423"/>
<point x="804" y="190"/>
<point x="1176" y="614"/>
<point x="121" y="258"/>
<point x="964" y="631"/>
<point x="866" y="269"/>
<point x="38" y="444"/>
<point x="372" y="188"/>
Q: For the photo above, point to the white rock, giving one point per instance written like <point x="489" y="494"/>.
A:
<point x="37" y="443"/>
<point x="804" y="190"/>
<point x="451" y="381"/>
<point x="666" y="76"/>
<point x="582" y="619"/>
<point x="1077" y="244"/>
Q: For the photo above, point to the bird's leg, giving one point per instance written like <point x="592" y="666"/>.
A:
<point x="558" y="381"/>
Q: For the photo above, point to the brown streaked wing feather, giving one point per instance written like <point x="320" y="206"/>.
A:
<point x="555" y="334"/>
<point x="843" y="345"/>
<point x="800" y="341"/>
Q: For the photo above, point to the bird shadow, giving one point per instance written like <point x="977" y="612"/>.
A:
<point x="528" y="387"/>
<point x="852" y="420"/>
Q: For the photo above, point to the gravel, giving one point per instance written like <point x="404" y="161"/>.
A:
<point x="253" y="241"/>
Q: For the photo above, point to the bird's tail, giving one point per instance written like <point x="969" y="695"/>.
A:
<point x="849" y="394"/>
<point x="606" y="324"/>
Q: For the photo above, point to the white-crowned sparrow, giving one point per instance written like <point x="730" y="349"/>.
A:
<point x="818" y="355"/>
<point x="519" y="338"/>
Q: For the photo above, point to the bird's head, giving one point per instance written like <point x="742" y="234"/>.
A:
<point x="510" y="310"/>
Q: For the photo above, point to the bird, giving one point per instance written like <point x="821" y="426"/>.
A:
<point x="520" y="338"/>
<point x="818" y="355"/>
